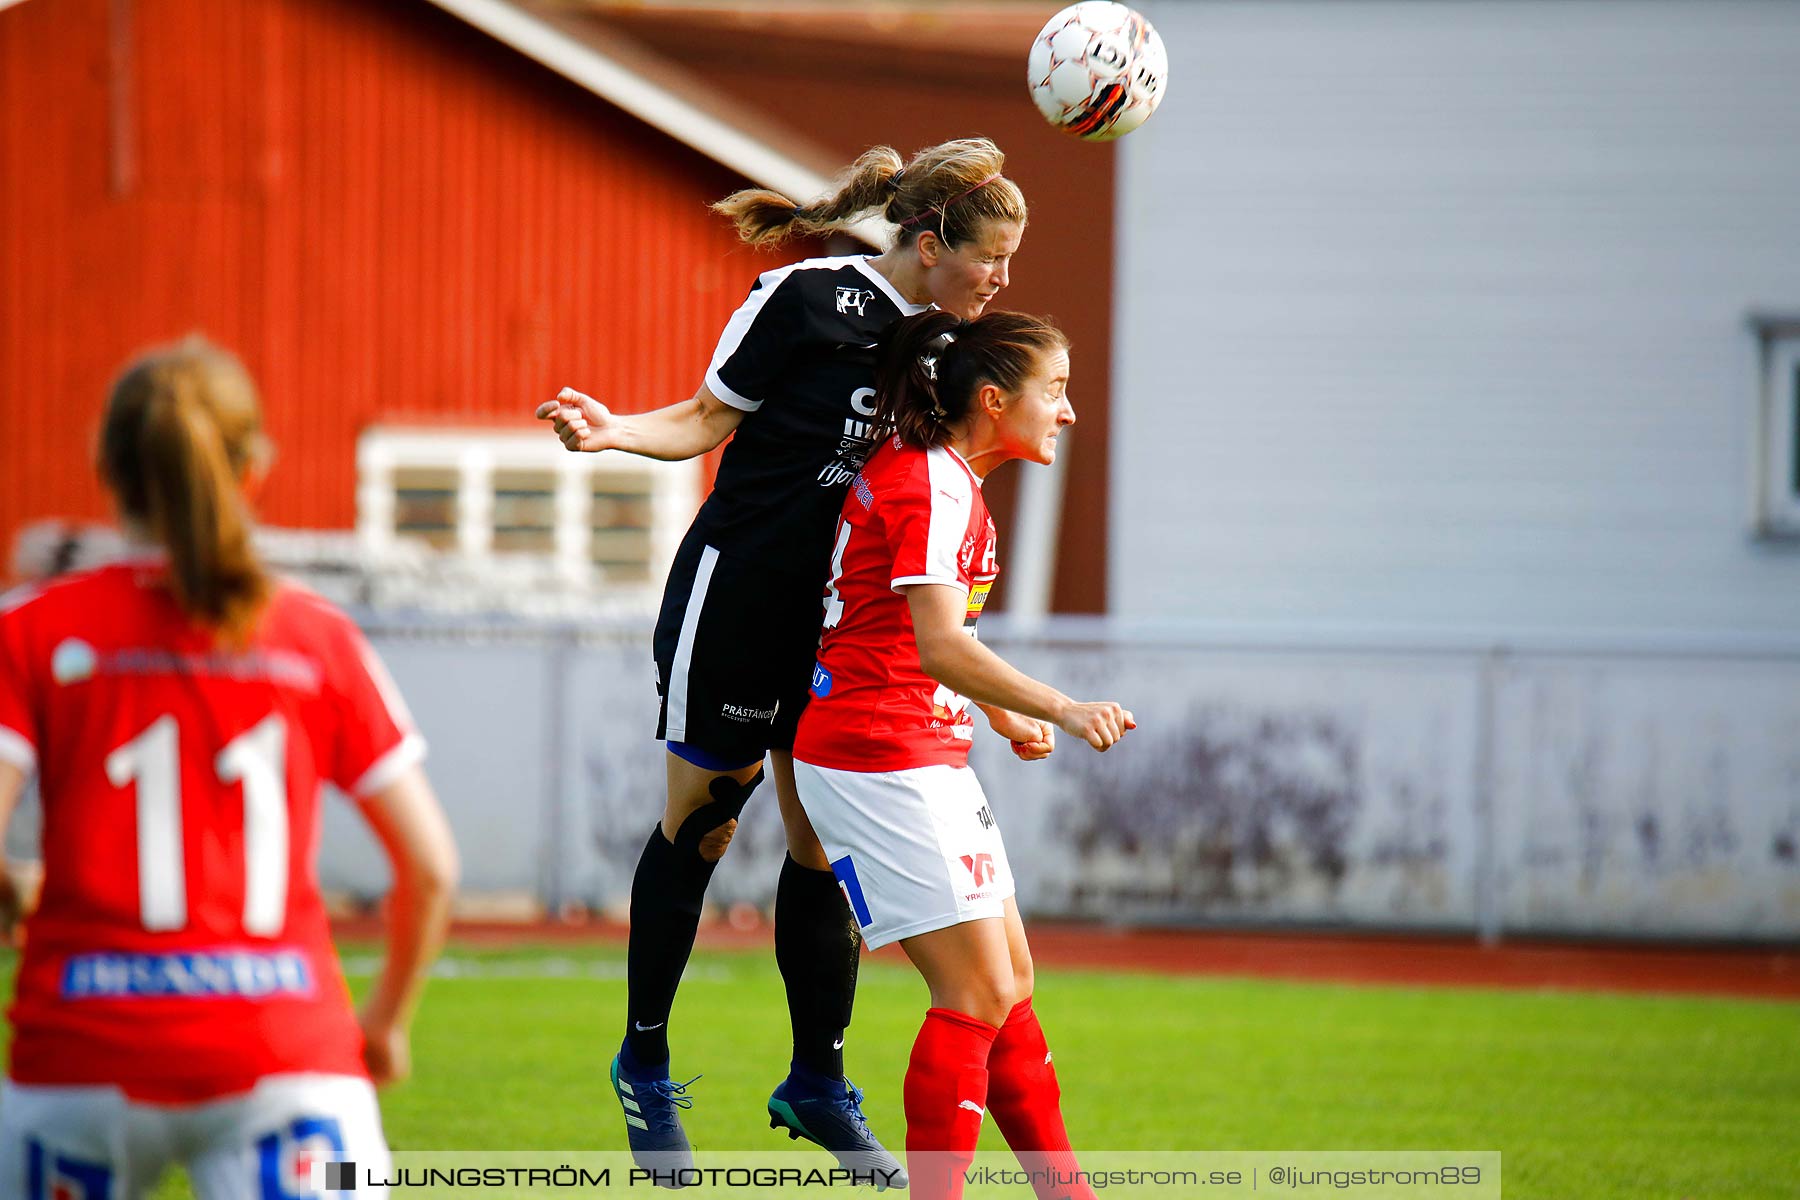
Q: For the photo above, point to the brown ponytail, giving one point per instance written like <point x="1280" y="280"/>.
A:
<point x="183" y="426"/>
<point x="951" y="189"/>
<point x="933" y="364"/>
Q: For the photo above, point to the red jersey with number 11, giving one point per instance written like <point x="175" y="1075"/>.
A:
<point x="180" y="948"/>
<point x="912" y="517"/>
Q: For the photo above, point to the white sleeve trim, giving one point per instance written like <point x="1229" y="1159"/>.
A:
<point x="717" y="387"/>
<point x="17" y="749"/>
<point x="409" y="753"/>
<point x="909" y="580"/>
<point x="738" y="327"/>
<point x="20" y="596"/>
<point x="385" y="687"/>
<point x="951" y="501"/>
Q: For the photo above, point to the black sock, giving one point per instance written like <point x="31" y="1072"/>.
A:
<point x="818" y="948"/>
<point x="666" y="894"/>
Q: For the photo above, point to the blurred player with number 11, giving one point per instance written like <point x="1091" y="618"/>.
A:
<point x="179" y="998"/>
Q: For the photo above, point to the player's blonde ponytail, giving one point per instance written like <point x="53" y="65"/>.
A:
<point x="934" y="363"/>
<point x="764" y="217"/>
<point x="950" y="189"/>
<point x="183" y="427"/>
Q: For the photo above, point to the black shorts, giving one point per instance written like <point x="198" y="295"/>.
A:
<point x="735" y="647"/>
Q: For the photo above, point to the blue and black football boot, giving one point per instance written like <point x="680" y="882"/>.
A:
<point x="652" y="1121"/>
<point x="828" y="1113"/>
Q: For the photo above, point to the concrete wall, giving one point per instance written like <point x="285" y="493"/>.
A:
<point x="1621" y="793"/>
<point x="1624" y="793"/>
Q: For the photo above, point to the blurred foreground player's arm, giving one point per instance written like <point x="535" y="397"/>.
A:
<point x="677" y="431"/>
<point x="411" y="827"/>
<point x="12" y="783"/>
<point x="18" y="762"/>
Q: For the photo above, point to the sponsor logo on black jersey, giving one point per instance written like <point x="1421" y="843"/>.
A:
<point x="853" y="300"/>
<point x="858" y="439"/>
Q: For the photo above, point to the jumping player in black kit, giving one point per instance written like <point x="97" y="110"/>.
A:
<point x="793" y="377"/>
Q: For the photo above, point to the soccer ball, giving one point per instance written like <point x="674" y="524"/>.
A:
<point x="1097" y="70"/>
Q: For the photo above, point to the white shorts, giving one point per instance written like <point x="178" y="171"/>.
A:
<point x="89" y="1142"/>
<point x="914" y="850"/>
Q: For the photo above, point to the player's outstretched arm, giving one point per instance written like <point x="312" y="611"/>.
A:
<point x="677" y="431"/>
<point x="412" y="829"/>
<point x="12" y="784"/>
<point x="949" y="655"/>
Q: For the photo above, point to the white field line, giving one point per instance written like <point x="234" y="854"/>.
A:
<point x="455" y="967"/>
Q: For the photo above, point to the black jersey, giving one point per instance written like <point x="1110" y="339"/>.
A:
<point x="799" y="358"/>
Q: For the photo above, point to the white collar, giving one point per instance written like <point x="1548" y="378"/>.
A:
<point x="907" y="307"/>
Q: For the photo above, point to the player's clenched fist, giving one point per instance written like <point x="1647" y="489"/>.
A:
<point x="582" y="422"/>
<point x="11" y="909"/>
<point x="1099" y="723"/>
<point x="1032" y="740"/>
<point x="387" y="1051"/>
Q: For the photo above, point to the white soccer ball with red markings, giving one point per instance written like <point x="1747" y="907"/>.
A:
<point x="1097" y="70"/>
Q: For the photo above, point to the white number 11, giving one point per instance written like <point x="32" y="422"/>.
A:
<point x="257" y="759"/>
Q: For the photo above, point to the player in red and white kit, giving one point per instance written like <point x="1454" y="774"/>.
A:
<point x="881" y="756"/>
<point x="179" y="998"/>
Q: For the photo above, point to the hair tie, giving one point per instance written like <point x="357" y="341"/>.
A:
<point x="893" y="181"/>
<point x="973" y="188"/>
<point x="940" y="344"/>
<point x="941" y="209"/>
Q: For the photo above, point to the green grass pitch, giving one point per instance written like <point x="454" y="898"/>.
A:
<point x="1589" y="1097"/>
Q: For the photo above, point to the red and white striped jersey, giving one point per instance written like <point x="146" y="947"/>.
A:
<point x="912" y="517"/>
<point x="180" y="947"/>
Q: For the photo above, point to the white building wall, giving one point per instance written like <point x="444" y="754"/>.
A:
<point x="1432" y="317"/>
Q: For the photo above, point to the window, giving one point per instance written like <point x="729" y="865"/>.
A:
<point x="1778" y="446"/>
<point x="525" y="512"/>
<point x="599" y="518"/>
<point x="425" y="505"/>
<point x="621" y="524"/>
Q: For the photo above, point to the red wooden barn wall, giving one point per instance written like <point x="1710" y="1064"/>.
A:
<point x="389" y="215"/>
<point x="852" y="79"/>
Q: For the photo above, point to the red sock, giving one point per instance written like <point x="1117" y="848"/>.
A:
<point x="946" y="1096"/>
<point x="1027" y="1105"/>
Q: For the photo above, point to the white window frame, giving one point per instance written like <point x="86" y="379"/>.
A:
<point x="1778" y="426"/>
<point x="476" y="455"/>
